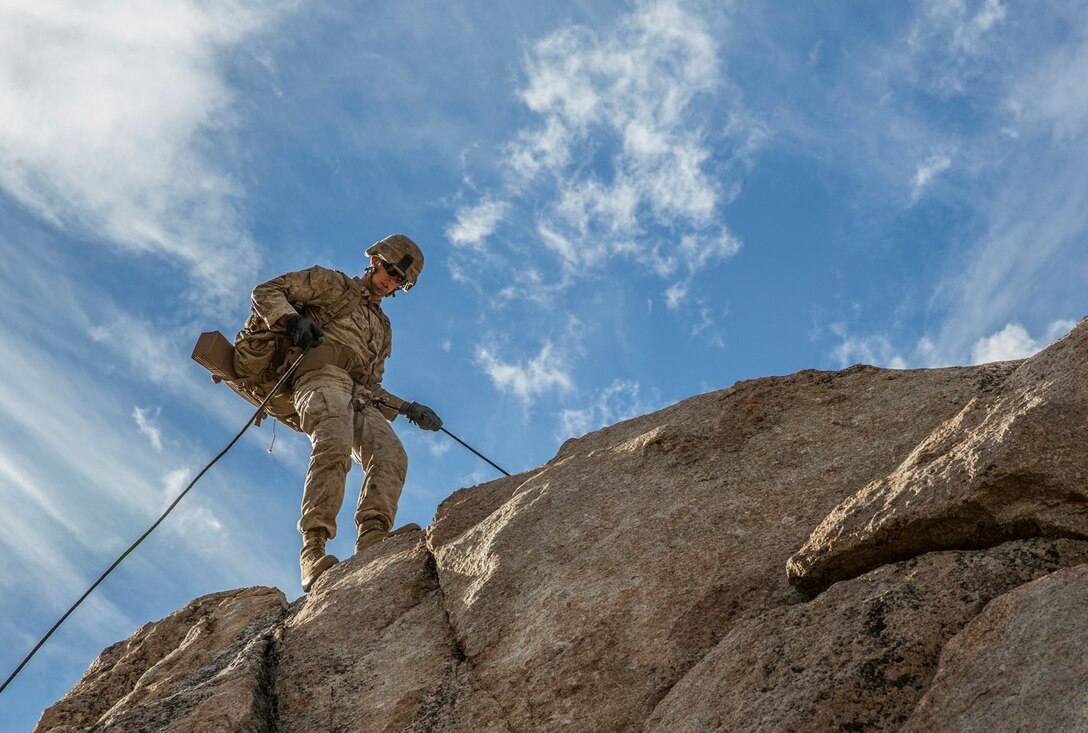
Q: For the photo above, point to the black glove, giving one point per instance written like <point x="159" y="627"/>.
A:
<point x="302" y="331"/>
<point x="422" y="416"/>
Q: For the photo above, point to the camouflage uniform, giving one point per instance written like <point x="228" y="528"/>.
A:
<point x="334" y="392"/>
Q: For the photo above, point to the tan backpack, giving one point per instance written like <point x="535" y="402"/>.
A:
<point x="254" y="364"/>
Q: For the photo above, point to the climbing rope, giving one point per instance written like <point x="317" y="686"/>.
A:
<point x="466" y="445"/>
<point x="478" y="453"/>
<point x="153" y="527"/>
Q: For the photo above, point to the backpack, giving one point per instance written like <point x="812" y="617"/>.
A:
<point x="254" y="364"/>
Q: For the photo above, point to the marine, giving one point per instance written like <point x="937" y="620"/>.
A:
<point x="338" y="394"/>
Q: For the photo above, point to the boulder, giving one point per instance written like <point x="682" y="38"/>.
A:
<point x="205" y="667"/>
<point x="1010" y="464"/>
<point x="1018" y="665"/>
<point x="861" y="655"/>
<point x="589" y="588"/>
<point x="370" y="648"/>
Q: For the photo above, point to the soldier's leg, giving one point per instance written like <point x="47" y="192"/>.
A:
<point x="385" y="464"/>
<point x="323" y="401"/>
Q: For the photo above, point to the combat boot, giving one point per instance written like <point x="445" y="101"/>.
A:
<point x="373" y="531"/>
<point x="312" y="560"/>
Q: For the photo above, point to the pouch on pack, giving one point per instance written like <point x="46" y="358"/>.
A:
<point x="254" y="363"/>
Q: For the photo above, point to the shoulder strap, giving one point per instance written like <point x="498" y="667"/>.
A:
<point x="347" y="303"/>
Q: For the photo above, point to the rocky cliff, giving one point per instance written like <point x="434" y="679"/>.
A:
<point x="864" y="550"/>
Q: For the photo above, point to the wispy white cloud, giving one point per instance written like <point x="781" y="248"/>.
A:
<point x="675" y="295"/>
<point x="620" y="163"/>
<point x="962" y="24"/>
<point x="1049" y="96"/>
<point x="706" y="327"/>
<point x="475" y="223"/>
<point x="437" y="448"/>
<point x="562" y="246"/>
<point x="1014" y="342"/>
<point x="627" y="93"/>
<point x="148" y="426"/>
<point x="70" y="440"/>
<point x="620" y="400"/>
<point x="1011" y="342"/>
<point x="530" y="285"/>
<point x="1026" y="264"/>
<point x="194" y="517"/>
<point x="948" y="37"/>
<point x="149" y="349"/>
<point x="691" y="255"/>
<point x="1057" y="329"/>
<point x="81" y="488"/>
<point x="115" y="106"/>
<point x="874" y="118"/>
<point x="50" y="405"/>
<point x="926" y="172"/>
<point x="73" y="317"/>
<point x="874" y="349"/>
<point x="24" y="486"/>
<point x="527" y="380"/>
<point x="1018" y="165"/>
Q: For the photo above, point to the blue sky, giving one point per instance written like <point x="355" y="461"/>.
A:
<point x="622" y="204"/>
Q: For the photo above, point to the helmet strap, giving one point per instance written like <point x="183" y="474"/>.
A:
<point x="368" y="277"/>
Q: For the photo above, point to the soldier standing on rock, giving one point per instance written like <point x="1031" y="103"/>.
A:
<point x="338" y="395"/>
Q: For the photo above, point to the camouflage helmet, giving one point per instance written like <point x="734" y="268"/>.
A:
<point x="404" y="255"/>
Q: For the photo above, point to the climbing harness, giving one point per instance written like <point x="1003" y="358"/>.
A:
<point x="260" y="410"/>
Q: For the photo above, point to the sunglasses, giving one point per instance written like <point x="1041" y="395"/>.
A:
<point x="394" y="273"/>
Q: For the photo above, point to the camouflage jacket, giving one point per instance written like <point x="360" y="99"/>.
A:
<point x="359" y="341"/>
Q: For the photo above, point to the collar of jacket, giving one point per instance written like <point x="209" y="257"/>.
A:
<point x="368" y="283"/>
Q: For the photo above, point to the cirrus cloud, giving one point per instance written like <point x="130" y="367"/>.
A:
<point x="527" y="379"/>
<point x="622" y="158"/>
<point x="117" y="105"/>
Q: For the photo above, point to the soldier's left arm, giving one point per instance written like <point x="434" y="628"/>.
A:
<point x="388" y="403"/>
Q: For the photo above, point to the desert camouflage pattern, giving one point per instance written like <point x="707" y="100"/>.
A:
<point x="401" y="252"/>
<point x="338" y="433"/>
<point x="334" y="394"/>
<point x="363" y="338"/>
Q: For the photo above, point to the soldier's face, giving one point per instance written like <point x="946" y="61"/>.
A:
<point x="383" y="281"/>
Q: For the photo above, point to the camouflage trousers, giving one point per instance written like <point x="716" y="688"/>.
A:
<point x="340" y="430"/>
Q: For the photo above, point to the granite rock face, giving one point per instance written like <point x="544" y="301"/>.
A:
<point x="589" y="588"/>
<point x="1010" y="464"/>
<point x="204" y="667"/>
<point x="371" y="648"/>
<point x="639" y="580"/>
<point x="1016" y="666"/>
<point x="861" y="655"/>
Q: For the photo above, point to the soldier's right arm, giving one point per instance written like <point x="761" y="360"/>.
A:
<point x="284" y="296"/>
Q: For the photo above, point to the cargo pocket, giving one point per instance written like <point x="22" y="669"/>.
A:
<point x="314" y="408"/>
